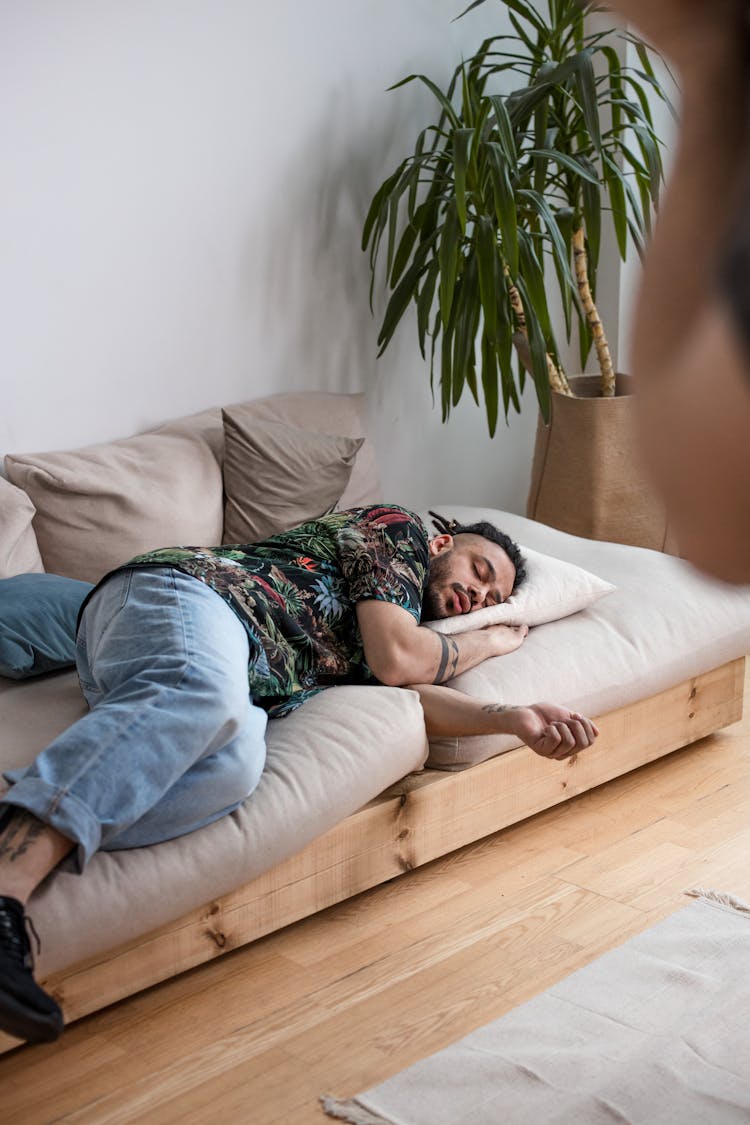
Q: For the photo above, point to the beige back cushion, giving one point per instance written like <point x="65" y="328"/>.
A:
<point x="19" y="551"/>
<point x="318" y="411"/>
<point x="277" y="476"/>
<point x="98" y="506"/>
<point x="331" y="414"/>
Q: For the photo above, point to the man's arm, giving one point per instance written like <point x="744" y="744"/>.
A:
<point x="549" y="730"/>
<point x="399" y="651"/>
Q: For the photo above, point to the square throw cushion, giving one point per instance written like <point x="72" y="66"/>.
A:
<point x="552" y="589"/>
<point x="277" y="476"/>
<point x="38" y="614"/>
<point x="322" y="412"/>
<point x="19" y="551"/>
<point x="98" y="506"/>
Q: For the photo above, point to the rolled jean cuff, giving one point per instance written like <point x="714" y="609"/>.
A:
<point x="57" y="809"/>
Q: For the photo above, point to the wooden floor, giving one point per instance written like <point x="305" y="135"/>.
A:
<point x="343" y="1000"/>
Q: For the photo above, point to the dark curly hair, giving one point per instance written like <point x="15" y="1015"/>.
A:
<point x="487" y="531"/>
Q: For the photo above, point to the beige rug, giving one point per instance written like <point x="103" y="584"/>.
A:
<point x="656" y="1031"/>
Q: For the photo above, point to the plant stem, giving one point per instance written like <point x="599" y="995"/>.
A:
<point x="557" y="378"/>
<point x="580" y="261"/>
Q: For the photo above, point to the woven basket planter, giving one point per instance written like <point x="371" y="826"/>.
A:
<point x="586" y="477"/>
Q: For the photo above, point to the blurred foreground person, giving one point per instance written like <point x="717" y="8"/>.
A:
<point x="691" y="334"/>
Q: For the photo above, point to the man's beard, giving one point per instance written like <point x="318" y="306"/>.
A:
<point x="433" y="604"/>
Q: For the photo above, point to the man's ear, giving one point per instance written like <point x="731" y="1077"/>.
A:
<point x="439" y="543"/>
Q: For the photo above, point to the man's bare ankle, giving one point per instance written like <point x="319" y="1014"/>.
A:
<point x="29" y="850"/>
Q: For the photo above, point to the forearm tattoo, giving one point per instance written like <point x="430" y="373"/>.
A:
<point x="495" y="708"/>
<point x="20" y="832"/>
<point x="448" y="660"/>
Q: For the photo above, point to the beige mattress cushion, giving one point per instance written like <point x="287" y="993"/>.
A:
<point x="19" y="550"/>
<point x="325" y="760"/>
<point x="98" y="506"/>
<point x="663" y="623"/>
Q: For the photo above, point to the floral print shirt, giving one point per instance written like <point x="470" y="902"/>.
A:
<point x="295" y="594"/>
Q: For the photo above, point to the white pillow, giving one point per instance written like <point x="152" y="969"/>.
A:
<point x="552" y="589"/>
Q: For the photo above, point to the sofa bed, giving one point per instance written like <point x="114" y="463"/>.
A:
<point x="352" y="793"/>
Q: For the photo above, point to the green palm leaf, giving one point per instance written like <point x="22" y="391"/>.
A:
<point x="495" y="186"/>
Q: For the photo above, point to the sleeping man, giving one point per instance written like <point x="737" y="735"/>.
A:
<point x="183" y="655"/>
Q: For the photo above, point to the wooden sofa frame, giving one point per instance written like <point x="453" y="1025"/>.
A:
<point x="424" y="816"/>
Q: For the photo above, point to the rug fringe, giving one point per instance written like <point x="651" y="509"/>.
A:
<point x="722" y="897"/>
<point x="349" y="1109"/>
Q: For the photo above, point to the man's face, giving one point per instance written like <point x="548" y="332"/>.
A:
<point x="467" y="572"/>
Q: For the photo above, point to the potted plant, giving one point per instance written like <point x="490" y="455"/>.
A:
<point x="536" y="136"/>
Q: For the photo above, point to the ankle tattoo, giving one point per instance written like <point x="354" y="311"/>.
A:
<point x="20" y="832"/>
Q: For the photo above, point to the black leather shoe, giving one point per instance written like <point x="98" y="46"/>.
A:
<point x="26" y="1011"/>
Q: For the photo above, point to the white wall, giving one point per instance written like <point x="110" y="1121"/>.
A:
<point x="183" y="189"/>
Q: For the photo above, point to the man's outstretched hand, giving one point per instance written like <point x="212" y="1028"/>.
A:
<point x="552" y="731"/>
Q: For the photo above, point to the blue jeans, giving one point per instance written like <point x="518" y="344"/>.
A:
<point x="172" y="740"/>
